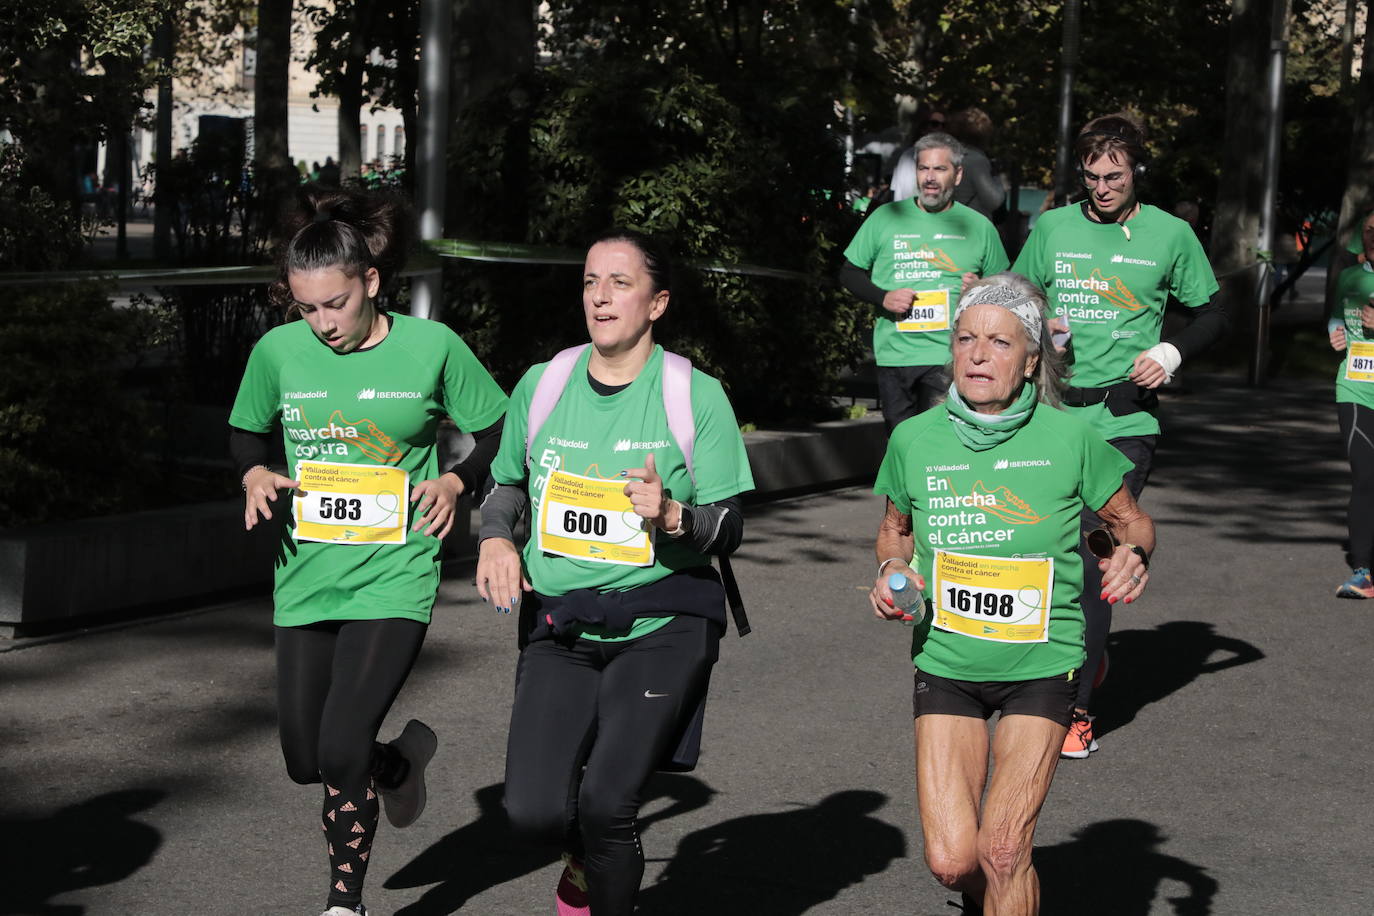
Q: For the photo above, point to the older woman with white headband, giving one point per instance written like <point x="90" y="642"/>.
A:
<point x="983" y="500"/>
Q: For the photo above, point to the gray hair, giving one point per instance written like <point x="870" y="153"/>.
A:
<point x="941" y="140"/>
<point x="1050" y="373"/>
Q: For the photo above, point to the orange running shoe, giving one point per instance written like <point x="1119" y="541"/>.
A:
<point x="1079" y="743"/>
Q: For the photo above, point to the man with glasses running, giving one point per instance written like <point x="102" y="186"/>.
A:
<point x="1108" y="266"/>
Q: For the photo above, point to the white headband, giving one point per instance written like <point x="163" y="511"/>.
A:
<point x="1024" y="307"/>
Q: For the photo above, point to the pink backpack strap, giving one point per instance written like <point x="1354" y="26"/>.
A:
<point x="548" y="390"/>
<point x="677" y="404"/>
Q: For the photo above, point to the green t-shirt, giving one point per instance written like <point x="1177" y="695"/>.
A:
<point x="1356" y="243"/>
<point x="904" y="247"/>
<point x="1113" y="290"/>
<point x="379" y="406"/>
<point x="1354" y="287"/>
<point x="1018" y="501"/>
<point x="598" y="436"/>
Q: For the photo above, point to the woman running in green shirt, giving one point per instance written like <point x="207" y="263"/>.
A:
<point x="622" y="612"/>
<point x="984" y="498"/>
<point x="359" y="393"/>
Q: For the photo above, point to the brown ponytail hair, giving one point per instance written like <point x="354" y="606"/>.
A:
<point x="345" y="228"/>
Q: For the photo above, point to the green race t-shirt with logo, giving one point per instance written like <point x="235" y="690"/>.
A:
<point x="597" y="436"/>
<point x="378" y="407"/>
<point x="1356" y="243"/>
<point x="996" y="535"/>
<point x="1355" y="377"/>
<point x="904" y="247"/>
<point x="1113" y="290"/>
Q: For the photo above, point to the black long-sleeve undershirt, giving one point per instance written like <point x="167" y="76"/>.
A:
<point x="1209" y="324"/>
<point x="857" y="280"/>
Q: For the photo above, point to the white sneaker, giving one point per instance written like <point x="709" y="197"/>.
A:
<point x="345" y="911"/>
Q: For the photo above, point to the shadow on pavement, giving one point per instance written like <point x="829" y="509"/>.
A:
<point x="1259" y="464"/>
<point x="1116" y="867"/>
<point x="485" y="853"/>
<point x="781" y="863"/>
<point x="1148" y="665"/>
<point x="84" y="845"/>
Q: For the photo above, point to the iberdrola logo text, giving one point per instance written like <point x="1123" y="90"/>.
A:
<point x="369" y="394"/>
<point x="625" y="445"/>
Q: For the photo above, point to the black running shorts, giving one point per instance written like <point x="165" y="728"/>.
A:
<point x="1050" y="698"/>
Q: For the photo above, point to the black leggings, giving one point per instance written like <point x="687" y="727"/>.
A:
<point x="906" y="391"/>
<point x="335" y="683"/>
<point x="1357" y="433"/>
<point x="617" y="708"/>
<point x="1097" y="613"/>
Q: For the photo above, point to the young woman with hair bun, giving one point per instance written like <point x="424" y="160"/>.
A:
<point x="359" y="393"/>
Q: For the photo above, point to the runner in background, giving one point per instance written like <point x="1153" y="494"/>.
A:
<point x="1351" y="327"/>
<point x="358" y="392"/>
<point x="911" y="258"/>
<point x="622" y="611"/>
<point x="1108" y="266"/>
<point x="983" y="504"/>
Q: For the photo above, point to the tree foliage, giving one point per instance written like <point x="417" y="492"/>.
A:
<point x="650" y="146"/>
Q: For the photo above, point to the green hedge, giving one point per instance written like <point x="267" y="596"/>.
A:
<point x="73" y="441"/>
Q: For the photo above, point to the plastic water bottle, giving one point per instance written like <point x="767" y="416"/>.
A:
<point x="907" y="598"/>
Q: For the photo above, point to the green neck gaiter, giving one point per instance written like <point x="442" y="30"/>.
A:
<point x="981" y="431"/>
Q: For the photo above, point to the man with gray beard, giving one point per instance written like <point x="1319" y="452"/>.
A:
<point x="911" y="259"/>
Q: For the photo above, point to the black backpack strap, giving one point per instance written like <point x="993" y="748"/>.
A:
<point x="732" y="596"/>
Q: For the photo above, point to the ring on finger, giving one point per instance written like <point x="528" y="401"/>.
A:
<point x="1135" y="580"/>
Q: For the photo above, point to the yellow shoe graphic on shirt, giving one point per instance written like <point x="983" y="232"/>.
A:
<point x="1007" y="506"/>
<point x="1117" y="293"/>
<point x="942" y="261"/>
<point x="371" y="441"/>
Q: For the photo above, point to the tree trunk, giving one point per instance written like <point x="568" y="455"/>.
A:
<point x="165" y="44"/>
<point x="351" y="99"/>
<point x="493" y="42"/>
<point x="272" y="166"/>
<point x="1235" y="231"/>
<point x="408" y="86"/>
<point x="1359" y="182"/>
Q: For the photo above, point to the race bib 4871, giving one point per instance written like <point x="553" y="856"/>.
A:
<point x="1359" y="364"/>
<point x="351" y="503"/>
<point x="1002" y="599"/>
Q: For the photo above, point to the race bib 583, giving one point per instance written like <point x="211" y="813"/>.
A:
<point x="351" y="503"/>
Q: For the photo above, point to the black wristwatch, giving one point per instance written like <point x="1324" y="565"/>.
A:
<point x="1140" y="552"/>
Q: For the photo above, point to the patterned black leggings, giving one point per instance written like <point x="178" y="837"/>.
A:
<point x="335" y="683"/>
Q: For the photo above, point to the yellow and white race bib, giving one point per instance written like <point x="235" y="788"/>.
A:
<point x="351" y="503"/>
<point x="929" y="312"/>
<point x="1359" y="364"/>
<point x="587" y="518"/>
<point x="1003" y="599"/>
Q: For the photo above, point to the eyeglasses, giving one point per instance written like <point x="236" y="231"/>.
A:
<point x="1115" y="181"/>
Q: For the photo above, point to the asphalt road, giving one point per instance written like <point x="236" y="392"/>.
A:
<point x="141" y="773"/>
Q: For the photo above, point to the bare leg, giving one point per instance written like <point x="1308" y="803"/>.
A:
<point x="1025" y="752"/>
<point x="951" y="770"/>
